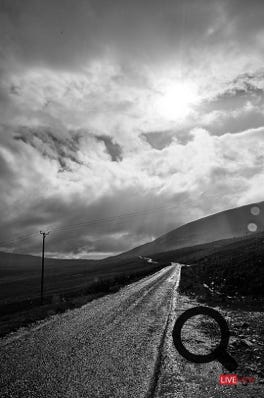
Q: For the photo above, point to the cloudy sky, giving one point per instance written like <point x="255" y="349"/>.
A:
<point x="149" y="110"/>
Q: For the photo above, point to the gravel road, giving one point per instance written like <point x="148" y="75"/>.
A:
<point x="110" y="347"/>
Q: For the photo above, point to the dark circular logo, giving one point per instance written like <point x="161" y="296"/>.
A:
<point x="219" y="352"/>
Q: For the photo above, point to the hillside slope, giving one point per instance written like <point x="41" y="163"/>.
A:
<point x="233" y="223"/>
<point x="234" y="269"/>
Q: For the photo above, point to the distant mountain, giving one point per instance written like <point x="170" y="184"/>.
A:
<point x="233" y="223"/>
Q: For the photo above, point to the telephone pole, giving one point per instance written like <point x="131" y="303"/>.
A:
<point x="44" y="234"/>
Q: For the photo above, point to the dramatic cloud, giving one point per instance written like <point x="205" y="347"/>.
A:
<point x="149" y="110"/>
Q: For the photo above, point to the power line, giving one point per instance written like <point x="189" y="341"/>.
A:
<point x="110" y="219"/>
<point x="17" y="239"/>
<point x="97" y="228"/>
<point x="72" y="227"/>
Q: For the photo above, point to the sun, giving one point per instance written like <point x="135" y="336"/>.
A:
<point x="175" y="100"/>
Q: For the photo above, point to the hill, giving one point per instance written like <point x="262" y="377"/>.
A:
<point x="232" y="268"/>
<point x="232" y="223"/>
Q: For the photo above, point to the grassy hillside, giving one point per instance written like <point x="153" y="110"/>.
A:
<point x="190" y="255"/>
<point x="235" y="270"/>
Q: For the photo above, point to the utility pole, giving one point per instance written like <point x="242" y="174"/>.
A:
<point x="44" y="234"/>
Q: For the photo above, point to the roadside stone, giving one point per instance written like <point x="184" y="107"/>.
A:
<point x="245" y="325"/>
<point x="246" y="343"/>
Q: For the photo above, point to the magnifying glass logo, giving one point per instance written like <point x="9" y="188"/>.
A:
<point x="219" y="353"/>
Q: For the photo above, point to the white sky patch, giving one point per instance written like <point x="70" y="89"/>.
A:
<point x="176" y="99"/>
